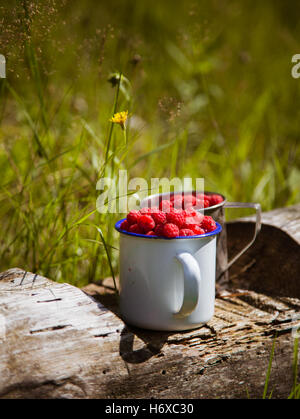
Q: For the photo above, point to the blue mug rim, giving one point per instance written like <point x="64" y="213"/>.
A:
<point x="202" y="236"/>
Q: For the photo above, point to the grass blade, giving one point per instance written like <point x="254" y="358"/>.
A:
<point x="269" y="369"/>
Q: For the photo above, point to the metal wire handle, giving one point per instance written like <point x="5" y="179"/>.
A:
<point x="255" y="206"/>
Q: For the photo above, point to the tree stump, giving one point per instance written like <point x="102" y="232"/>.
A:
<point x="58" y="341"/>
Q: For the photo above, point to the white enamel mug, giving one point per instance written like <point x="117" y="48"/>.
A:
<point x="167" y="284"/>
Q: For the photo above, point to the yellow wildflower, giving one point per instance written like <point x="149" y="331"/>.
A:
<point x="120" y="118"/>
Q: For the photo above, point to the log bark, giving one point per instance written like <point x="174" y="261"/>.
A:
<point x="58" y="341"/>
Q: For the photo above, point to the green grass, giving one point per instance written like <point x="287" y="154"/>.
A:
<point x="271" y="393"/>
<point x="210" y="93"/>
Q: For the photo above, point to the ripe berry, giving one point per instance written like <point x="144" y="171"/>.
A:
<point x="190" y="212"/>
<point x="159" y="230"/>
<point x="186" y="232"/>
<point x="171" y="230"/>
<point x="145" y="211"/>
<point x="206" y="203"/>
<point x="201" y="196"/>
<point x="178" y="202"/>
<point x="198" y="230"/>
<point x="153" y="210"/>
<point x="150" y="233"/>
<point x="208" y="224"/>
<point x="124" y="225"/>
<point x="133" y="217"/>
<point x="215" y="200"/>
<point x="159" y="217"/>
<point x="189" y="201"/>
<point x="191" y="222"/>
<point x="199" y="203"/>
<point x="166" y="206"/>
<point x="176" y="217"/>
<point x="146" y="223"/>
<point x="134" y="228"/>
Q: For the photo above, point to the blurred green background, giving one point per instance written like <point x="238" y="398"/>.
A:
<point x="209" y="89"/>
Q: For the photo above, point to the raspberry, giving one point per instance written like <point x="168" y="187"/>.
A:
<point x="198" y="230"/>
<point x="134" y="228"/>
<point x="199" y="204"/>
<point x="145" y="211"/>
<point x="190" y="222"/>
<point x="215" y="200"/>
<point x="201" y="196"/>
<point x="176" y="217"/>
<point x="208" y="224"/>
<point x="190" y="212"/>
<point x="150" y="233"/>
<point x="206" y="203"/>
<point x="170" y="230"/>
<point x="189" y="201"/>
<point x="186" y="232"/>
<point x="178" y="202"/>
<point x="146" y="223"/>
<point x="166" y="206"/>
<point x="154" y="210"/>
<point x="159" y="230"/>
<point x="133" y="216"/>
<point x="124" y="225"/>
<point x="159" y="217"/>
<point x="189" y="226"/>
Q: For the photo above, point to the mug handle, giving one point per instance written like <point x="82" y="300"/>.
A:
<point x="255" y="206"/>
<point x="192" y="279"/>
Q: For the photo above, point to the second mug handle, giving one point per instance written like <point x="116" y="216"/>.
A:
<point x="257" y="208"/>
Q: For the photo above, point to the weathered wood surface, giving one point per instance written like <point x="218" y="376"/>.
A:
<point x="58" y="341"/>
<point x="284" y="219"/>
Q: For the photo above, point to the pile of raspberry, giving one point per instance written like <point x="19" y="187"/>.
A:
<point x="195" y="200"/>
<point x="168" y="221"/>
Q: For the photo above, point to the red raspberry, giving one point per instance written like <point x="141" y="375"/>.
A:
<point x="202" y="196"/>
<point x="193" y="220"/>
<point x="208" y="224"/>
<point x="186" y="232"/>
<point x="145" y="211"/>
<point x="189" y="201"/>
<point x="198" y="230"/>
<point x="215" y="200"/>
<point x="146" y="223"/>
<point x="124" y="225"/>
<point x="135" y="229"/>
<point x="159" y="217"/>
<point x="206" y="203"/>
<point x="150" y="233"/>
<point x="133" y="216"/>
<point x="171" y="230"/>
<point x="176" y="217"/>
<point x="166" y="206"/>
<point x="189" y="226"/>
<point x="190" y="212"/>
<point x="178" y="202"/>
<point x="199" y="217"/>
<point x="199" y="204"/>
<point x="159" y="230"/>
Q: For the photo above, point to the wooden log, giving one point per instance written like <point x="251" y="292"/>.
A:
<point x="58" y="341"/>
